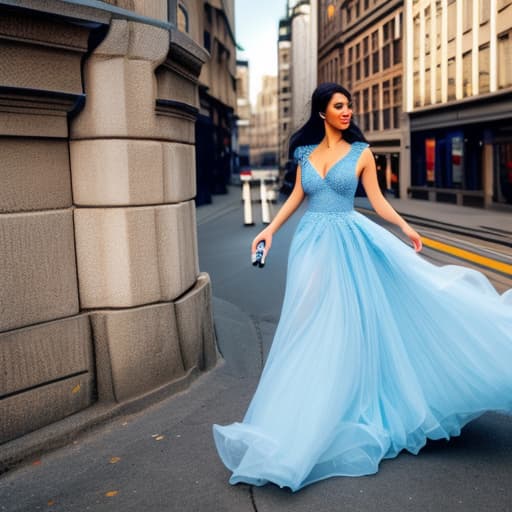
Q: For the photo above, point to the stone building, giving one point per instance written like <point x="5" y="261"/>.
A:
<point x="459" y="99"/>
<point x="101" y="297"/>
<point x="216" y="122"/>
<point x="284" y="88"/>
<point x="303" y="16"/>
<point x="263" y="128"/>
<point x="243" y="111"/>
<point x="360" y="46"/>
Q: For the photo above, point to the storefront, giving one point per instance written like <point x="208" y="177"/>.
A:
<point x="462" y="153"/>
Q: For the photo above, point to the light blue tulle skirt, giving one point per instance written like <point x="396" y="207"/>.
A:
<point x="376" y="350"/>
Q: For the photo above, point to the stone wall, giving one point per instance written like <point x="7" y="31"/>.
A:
<point x="101" y="296"/>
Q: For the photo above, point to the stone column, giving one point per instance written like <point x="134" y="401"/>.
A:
<point x="133" y="175"/>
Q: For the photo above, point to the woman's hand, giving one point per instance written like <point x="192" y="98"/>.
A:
<point x="414" y="236"/>
<point x="265" y="235"/>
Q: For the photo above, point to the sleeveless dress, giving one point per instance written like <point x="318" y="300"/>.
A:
<point x="375" y="351"/>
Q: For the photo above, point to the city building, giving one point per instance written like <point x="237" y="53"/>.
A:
<point x="213" y="23"/>
<point x="243" y="112"/>
<point x="360" y="46"/>
<point x="303" y="16"/>
<point x="264" y="126"/>
<point x="284" y="88"/>
<point x="459" y="99"/>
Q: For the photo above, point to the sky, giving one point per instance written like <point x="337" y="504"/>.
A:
<point x="256" y="30"/>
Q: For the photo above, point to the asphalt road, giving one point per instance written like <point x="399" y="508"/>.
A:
<point x="163" y="458"/>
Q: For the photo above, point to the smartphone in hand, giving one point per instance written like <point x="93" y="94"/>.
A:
<point x="257" y="257"/>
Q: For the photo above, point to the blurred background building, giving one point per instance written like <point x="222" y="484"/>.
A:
<point x="284" y="87"/>
<point x="243" y="112"/>
<point x="263" y="128"/>
<point x="216" y="123"/>
<point x="303" y="14"/>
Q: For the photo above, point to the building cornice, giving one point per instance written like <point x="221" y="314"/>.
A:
<point x="478" y="109"/>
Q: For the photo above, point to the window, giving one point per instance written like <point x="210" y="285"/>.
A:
<point x="207" y="41"/>
<point x="366" y="67"/>
<point x="427" y="87"/>
<point x="397" y="100"/>
<point x="416" y="82"/>
<point x="366" y="113"/>
<point x="452" y="20"/>
<point x="467" y="15"/>
<point x="427" y="31"/>
<point x="484" y="11"/>
<point x="375" y="62"/>
<point x="466" y="74"/>
<point x="504" y="60"/>
<point x="483" y="58"/>
<point x="386" y="57"/>
<point x="451" y="78"/>
<point x="375" y="108"/>
<point x="397" y="51"/>
<point x="386" y="105"/>
<point x="375" y="41"/>
<point x="182" y="19"/>
<point x="438" y="27"/>
<point x="438" y="83"/>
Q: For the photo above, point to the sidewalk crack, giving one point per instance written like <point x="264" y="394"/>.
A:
<point x="256" y="323"/>
<point x="253" y="501"/>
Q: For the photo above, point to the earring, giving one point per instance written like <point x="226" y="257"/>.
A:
<point x="321" y="115"/>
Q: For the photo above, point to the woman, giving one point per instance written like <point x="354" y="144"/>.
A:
<point x="376" y="349"/>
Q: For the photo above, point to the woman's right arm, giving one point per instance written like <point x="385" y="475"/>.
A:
<point x="290" y="205"/>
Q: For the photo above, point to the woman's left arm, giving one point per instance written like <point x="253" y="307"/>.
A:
<point x="378" y="201"/>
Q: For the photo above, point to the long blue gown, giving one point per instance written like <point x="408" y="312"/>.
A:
<point x="376" y="348"/>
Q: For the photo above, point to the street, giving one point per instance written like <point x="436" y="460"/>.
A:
<point x="163" y="458"/>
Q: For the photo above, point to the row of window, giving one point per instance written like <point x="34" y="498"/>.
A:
<point x="378" y="107"/>
<point x="367" y="56"/>
<point x="503" y="71"/>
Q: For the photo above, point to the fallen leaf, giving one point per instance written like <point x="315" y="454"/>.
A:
<point x="36" y="463"/>
<point x="115" y="460"/>
<point x="159" y="438"/>
<point x="76" y="389"/>
<point x="51" y="503"/>
<point x="111" y="494"/>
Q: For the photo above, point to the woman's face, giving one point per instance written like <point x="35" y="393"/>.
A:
<point x="339" y="111"/>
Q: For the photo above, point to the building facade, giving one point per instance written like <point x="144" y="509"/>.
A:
<point x="243" y="112"/>
<point x="212" y="22"/>
<point x="360" y="46"/>
<point x="264" y="125"/>
<point x="284" y="88"/>
<point x="304" y="33"/>
<point x="459" y="99"/>
<point x="101" y="297"/>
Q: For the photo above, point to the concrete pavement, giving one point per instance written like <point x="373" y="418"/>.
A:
<point x="163" y="458"/>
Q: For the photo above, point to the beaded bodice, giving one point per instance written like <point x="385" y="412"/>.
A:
<point x="335" y="192"/>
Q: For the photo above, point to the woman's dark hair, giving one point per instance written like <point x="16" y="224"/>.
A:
<point x="313" y="131"/>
